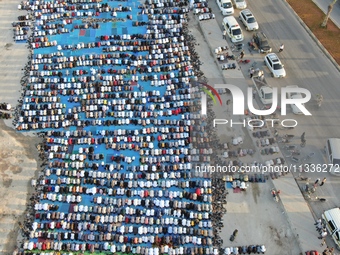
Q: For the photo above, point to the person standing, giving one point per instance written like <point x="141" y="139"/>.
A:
<point x="303" y="137"/>
<point x="273" y="193"/>
<point x="233" y="236"/>
<point x="261" y="76"/>
<point x="319" y="99"/>
<point x="281" y="47"/>
<point x="235" y="232"/>
<point x="242" y="54"/>
<point x="224" y="34"/>
<point x="317" y="181"/>
<point x="319" y="221"/>
<point x="319" y="227"/>
<point x="323" y="181"/>
<point x="251" y="73"/>
<point x="323" y="234"/>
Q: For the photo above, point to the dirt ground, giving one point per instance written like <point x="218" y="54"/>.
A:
<point x="311" y="14"/>
<point x="18" y="153"/>
<point x="17" y="167"/>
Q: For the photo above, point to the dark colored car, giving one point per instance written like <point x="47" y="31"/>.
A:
<point x="262" y="43"/>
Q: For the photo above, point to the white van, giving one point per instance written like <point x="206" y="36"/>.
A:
<point x="225" y="6"/>
<point x="333" y="155"/>
<point x="331" y="219"/>
<point x="233" y="29"/>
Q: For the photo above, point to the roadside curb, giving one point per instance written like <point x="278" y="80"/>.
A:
<point x="324" y="50"/>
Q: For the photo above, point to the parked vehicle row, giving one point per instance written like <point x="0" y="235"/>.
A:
<point x="230" y="24"/>
<point x="235" y="34"/>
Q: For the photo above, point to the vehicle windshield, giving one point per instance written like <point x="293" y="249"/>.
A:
<point x="264" y="42"/>
<point x="268" y="96"/>
<point x="239" y="1"/>
<point x="251" y="20"/>
<point x="226" y="5"/>
<point x="237" y="31"/>
<point x="277" y="66"/>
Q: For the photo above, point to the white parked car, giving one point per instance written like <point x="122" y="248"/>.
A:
<point x="225" y="6"/>
<point x="248" y="20"/>
<point x="240" y="4"/>
<point x="294" y="95"/>
<point x="274" y="64"/>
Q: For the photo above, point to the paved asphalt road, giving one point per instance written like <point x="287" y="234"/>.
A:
<point x="306" y="66"/>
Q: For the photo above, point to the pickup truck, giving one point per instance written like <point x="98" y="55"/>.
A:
<point x="264" y="91"/>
